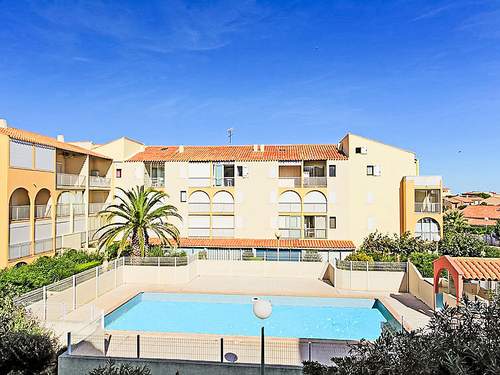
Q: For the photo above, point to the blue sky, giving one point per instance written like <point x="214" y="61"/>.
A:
<point x="422" y="75"/>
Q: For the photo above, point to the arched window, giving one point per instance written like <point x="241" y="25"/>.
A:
<point x="43" y="205"/>
<point x="289" y="202"/>
<point x="199" y="201"/>
<point x="223" y="202"/>
<point x="427" y="229"/>
<point x="19" y="205"/>
<point x="314" y="201"/>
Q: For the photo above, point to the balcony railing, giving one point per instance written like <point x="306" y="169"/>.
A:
<point x="223" y="181"/>
<point x="43" y="211"/>
<point x="222" y="207"/>
<point x="18" y="213"/>
<point x="78" y="208"/>
<point x="96" y="181"/>
<point x="199" y="232"/>
<point x="19" y="250"/>
<point x="315" y="207"/>
<point x="290" y="232"/>
<point x="222" y="232"/>
<point x="199" y="207"/>
<point x="70" y="180"/>
<point x="290" y="182"/>
<point x="63" y="209"/>
<point x="289" y="207"/>
<point x="427" y="207"/>
<point x="314" y="181"/>
<point x="95" y="208"/>
<point x="314" y="233"/>
<point x="42" y="246"/>
<point x="154" y="181"/>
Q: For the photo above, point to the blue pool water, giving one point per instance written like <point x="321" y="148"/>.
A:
<point x="297" y="317"/>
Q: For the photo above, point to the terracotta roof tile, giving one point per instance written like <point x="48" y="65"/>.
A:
<point x="27" y="136"/>
<point x="478" y="268"/>
<point x="240" y="153"/>
<point x="482" y="212"/>
<point x="481" y="222"/>
<point x="239" y="243"/>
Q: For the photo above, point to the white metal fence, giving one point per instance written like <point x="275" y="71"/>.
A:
<point x="19" y="212"/>
<point x="347" y="265"/>
<point x="70" y="180"/>
<point x="96" y="181"/>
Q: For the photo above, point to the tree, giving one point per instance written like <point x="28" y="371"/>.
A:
<point x="454" y="220"/>
<point x="459" y="244"/>
<point x="139" y="212"/>
<point x="461" y="340"/>
<point x="379" y="245"/>
<point x="496" y="229"/>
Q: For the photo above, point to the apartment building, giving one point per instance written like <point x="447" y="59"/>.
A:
<point x="326" y="197"/>
<point x="52" y="192"/>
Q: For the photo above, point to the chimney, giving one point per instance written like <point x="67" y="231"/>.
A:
<point x="60" y="138"/>
<point x="3" y="123"/>
<point x="255" y="148"/>
<point x="181" y="149"/>
<point x="262" y="148"/>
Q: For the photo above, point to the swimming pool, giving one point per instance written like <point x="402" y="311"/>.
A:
<point x="295" y="317"/>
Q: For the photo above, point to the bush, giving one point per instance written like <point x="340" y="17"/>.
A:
<point x="86" y="266"/>
<point x="112" y="251"/>
<point x="312" y="256"/>
<point x="423" y="262"/>
<point x="458" y="244"/>
<point x="123" y="369"/>
<point x="492" y="252"/>
<point x="203" y="255"/>
<point x="155" y="251"/>
<point x="359" y="256"/>
<point x="380" y="245"/>
<point x="460" y="340"/>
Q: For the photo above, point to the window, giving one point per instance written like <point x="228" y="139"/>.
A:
<point x="118" y="173"/>
<point x="183" y="196"/>
<point x="239" y="170"/>
<point x="358" y="150"/>
<point x="332" y="170"/>
<point x="370" y="170"/>
<point x="333" y="222"/>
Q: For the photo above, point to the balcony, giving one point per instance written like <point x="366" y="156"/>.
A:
<point x="78" y="208"/>
<point x="66" y="180"/>
<point x="314" y="233"/>
<point x="63" y="209"/>
<point x="43" y="211"/>
<point x="19" y="213"/>
<point x="154" y="182"/>
<point x="95" y="208"/>
<point x="99" y="182"/>
<point x="19" y="250"/>
<point x="290" y="182"/>
<point x="223" y="182"/>
<point x="43" y="246"/>
<point x="199" y="207"/>
<point x="427" y="207"/>
<point x="289" y="207"/>
<point x="315" y="207"/>
<point x="314" y="182"/>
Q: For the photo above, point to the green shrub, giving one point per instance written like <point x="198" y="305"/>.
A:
<point x="312" y="256"/>
<point x="86" y="266"/>
<point x="176" y="253"/>
<point x="423" y="262"/>
<point x="155" y="251"/>
<point x="492" y="252"/>
<point x="359" y="256"/>
<point x="123" y="369"/>
<point x="203" y="255"/>
<point x="460" y="244"/>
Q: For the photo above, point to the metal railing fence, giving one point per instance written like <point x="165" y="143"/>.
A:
<point x="19" y="212"/>
<point x="19" y="250"/>
<point x="70" y="180"/>
<point x="347" y="265"/>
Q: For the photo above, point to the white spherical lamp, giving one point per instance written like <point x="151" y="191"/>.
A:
<point x="262" y="308"/>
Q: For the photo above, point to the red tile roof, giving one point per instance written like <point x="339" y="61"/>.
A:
<point x="481" y="222"/>
<point x="478" y="268"/>
<point x="240" y="153"/>
<point x="27" y="136"/>
<point x="482" y="212"/>
<point x="242" y="243"/>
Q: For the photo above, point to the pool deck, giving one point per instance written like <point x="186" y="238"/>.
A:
<point x="403" y="306"/>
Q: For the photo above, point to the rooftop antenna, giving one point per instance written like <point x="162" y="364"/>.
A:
<point x="230" y="132"/>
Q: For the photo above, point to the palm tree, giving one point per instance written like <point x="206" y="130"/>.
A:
<point x="137" y="213"/>
<point x="454" y="220"/>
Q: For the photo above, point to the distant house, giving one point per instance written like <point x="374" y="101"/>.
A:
<point x="482" y="215"/>
<point x="458" y="201"/>
<point x="494" y="200"/>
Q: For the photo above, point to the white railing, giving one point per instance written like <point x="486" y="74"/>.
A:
<point x="78" y="208"/>
<point x="199" y="207"/>
<point x="42" y="246"/>
<point x="289" y="207"/>
<point x="63" y="209"/>
<point x="223" y="181"/>
<point x="315" y="181"/>
<point x="223" y="232"/>
<point x="19" y="213"/>
<point x="19" y="250"/>
<point x="290" y="182"/>
<point x="42" y="211"/>
<point x="315" y="207"/>
<point x="199" y="232"/>
<point x="154" y="181"/>
<point x="59" y="242"/>
<point x="314" y="233"/>
<point x="427" y="207"/>
<point x="222" y="207"/>
<point x="95" y="208"/>
<point x="290" y="233"/>
<point x="70" y="180"/>
<point x="96" y="181"/>
<point x="199" y="181"/>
